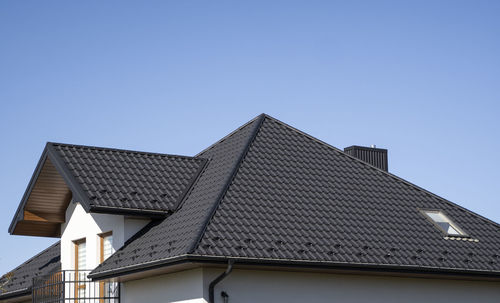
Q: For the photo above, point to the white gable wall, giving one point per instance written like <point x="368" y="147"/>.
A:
<point x="80" y="224"/>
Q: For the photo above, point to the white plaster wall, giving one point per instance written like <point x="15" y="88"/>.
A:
<point x="250" y="286"/>
<point x="185" y="286"/>
<point x="80" y="224"/>
<point x="132" y="226"/>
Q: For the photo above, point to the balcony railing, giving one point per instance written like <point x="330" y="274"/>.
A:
<point x="74" y="286"/>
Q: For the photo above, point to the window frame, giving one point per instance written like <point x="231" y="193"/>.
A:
<point x="462" y="233"/>
<point x="101" y="244"/>
<point x="78" y="285"/>
<point x="103" y="285"/>
<point x="76" y="243"/>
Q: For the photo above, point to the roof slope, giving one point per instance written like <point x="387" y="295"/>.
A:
<point x="297" y="198"/>
<point x="179" y="233"/>
<point x="123" y="179"/>
<point x="20" y="283"/>
<point x="271" y="192"/>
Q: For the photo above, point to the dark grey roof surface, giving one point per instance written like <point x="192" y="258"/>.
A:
<point x="122" y="179"/>
<point x="297" y="198"/>
<point x="179" y="233"/>
<point x="21" y="279"/>
<point x="273" y="192"/>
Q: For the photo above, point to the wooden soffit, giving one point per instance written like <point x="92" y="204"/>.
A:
<point x="44" y="204"/>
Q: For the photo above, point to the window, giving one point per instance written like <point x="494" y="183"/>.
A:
<point x="444" y="223"/>
<point x="80" y="254"/>
<point x="106" y="244"/>
<point x="106" y="250"/>
<point x="80" y="265"/>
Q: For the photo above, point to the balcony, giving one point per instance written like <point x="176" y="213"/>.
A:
<point x="74" y="286"/>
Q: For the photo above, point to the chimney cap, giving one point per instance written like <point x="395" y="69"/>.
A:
<point x="371" y="155"/>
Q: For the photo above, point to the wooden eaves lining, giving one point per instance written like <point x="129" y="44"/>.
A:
<point x="46" y="205"/>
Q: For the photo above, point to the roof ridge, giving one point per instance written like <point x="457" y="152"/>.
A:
<point x="121" y="150"/>
<point x="35" y="256"/>
<point x="259" y="120"/>
<point x="406" y="182"/>
<point x="230" y="134"/>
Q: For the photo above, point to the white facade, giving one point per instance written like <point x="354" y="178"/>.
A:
<point x="185" y="286"/>
<point x="250" y="286"/>
<point x="82" y="225"/>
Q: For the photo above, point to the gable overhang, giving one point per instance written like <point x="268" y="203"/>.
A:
<point x="43" y="206"/>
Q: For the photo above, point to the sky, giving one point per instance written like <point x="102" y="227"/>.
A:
<point x="420" y="78"/>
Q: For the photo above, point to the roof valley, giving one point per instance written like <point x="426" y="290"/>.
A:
<point x="259" y="121"/>
<point x="179" y="233"/>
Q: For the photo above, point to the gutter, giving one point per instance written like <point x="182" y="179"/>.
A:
<point x="221" y="277"/>
<point x="151" y="214"/>
<point x="300" y="264"/>
<point x="15" y="293"/>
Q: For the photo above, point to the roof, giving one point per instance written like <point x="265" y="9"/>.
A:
<point x="123" y="179"/>
<point x="102" y="180"/>
<point x="271" y="193"/>
<point x="20" y="279"/>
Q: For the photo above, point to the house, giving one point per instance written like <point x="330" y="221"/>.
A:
<point x="266" y="214"/>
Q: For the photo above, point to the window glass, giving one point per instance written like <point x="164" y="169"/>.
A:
<point x="444" y="223"/>
<point x="107" y="246"/>
<point x="82" y="256"/>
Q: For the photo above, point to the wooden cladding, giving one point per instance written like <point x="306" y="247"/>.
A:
<point x="46" y="205"/>
<point x="43" y="217"/>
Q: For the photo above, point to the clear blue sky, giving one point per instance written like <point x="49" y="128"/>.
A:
<point x="421" y="79"/>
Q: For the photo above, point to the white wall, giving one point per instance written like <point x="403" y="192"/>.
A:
<point x="80" y="224"/>
<point x="185" y="286"/>
<point x="250" y="286"/>
<point x="132" y="226"/>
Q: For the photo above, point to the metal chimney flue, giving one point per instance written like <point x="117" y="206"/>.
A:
<point x="371" y="155"/>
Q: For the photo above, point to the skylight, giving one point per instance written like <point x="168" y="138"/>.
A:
<point x="444" y="223"/>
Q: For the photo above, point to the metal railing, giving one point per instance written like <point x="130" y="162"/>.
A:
<point x="74" y="286"/>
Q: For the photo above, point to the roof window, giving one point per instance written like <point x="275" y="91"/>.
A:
<point x="444" y="223"/>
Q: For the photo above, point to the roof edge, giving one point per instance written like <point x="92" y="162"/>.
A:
<point x="259" y="120"/>
<point x="125" y="150"/>
<point x="76" y="190"/>
<point x="129" y="211"/>
<point x="304" y="264"/>
<point x="19" y="214"/>
<point x="15" y="293"/>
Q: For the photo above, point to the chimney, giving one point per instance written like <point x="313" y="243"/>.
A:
<point x="371" y="155"/>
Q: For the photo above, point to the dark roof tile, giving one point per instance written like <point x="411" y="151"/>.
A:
<point x="128" y="179"/>
<point x="21" y="278"/>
